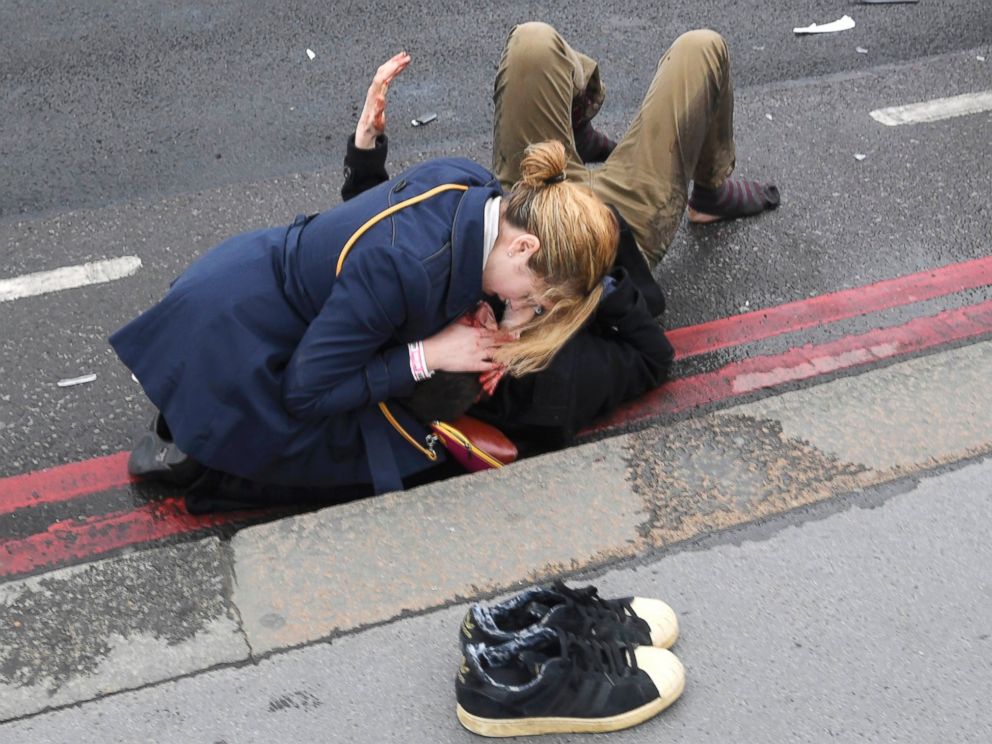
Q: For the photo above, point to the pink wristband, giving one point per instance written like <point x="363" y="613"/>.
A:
<point x="418" y="362"/>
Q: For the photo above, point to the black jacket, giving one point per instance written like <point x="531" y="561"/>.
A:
<point x="620" y="354"/>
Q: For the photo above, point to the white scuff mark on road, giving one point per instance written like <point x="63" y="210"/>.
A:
<point x="935" y="110"/>
<point x="68" y="277"/>
<point x="73" y="381"/>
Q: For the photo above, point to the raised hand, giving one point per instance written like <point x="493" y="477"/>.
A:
<point x="372" y="122"/>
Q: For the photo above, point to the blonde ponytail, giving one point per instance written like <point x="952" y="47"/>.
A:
<point x="543" y="165"/>
<point x="578" y="237"/>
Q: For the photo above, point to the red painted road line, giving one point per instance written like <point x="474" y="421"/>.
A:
<point x="829" y="308"/>
<point x="89" y="538"/>
<point x="803" y="363"/>
<point x="63" y="482"/>
<point x="98" y="535"/>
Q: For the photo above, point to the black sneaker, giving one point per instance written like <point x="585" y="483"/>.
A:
<point x="547" y="681"/>
<point x="156" y="457"/>
<point x="581" y="612"/>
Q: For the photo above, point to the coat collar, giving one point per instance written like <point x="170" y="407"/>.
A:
<point x="465" y="282"/>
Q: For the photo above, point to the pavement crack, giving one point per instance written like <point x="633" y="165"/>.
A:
<point x="230" y="579"/>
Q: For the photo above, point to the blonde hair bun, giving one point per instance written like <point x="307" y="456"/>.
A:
<point x="543" y="164"/>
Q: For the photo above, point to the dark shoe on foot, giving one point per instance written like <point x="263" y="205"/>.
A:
<point x="547" y="681"/>
<point x="737" y="197"/>
<point x="592" y="145"/>
<point x="156" y="457"/>
<point x="581" y="612"/>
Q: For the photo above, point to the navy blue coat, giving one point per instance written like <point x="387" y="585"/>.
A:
<point x="267" y="366"/>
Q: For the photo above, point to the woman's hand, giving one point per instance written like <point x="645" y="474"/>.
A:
<point x="462" y="348"/>
<point x="372" y="122"/>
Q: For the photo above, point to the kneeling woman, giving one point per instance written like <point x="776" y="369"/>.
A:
<point x="268" y="357"/>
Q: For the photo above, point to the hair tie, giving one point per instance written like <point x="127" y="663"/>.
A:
<point x="554" y="179"/>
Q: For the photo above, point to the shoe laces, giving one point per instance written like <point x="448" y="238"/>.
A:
<point x="594" y="609"/>
<point x="611" y="656"/>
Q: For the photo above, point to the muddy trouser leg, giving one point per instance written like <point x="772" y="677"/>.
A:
<point x="684" y="131"/>
<point x="538" y="77"/>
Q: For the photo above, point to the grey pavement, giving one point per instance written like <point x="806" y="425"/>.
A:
<point x="871" y="624"/>
<point x="84" y="631"/>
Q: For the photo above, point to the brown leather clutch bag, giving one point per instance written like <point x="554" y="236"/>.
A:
<point x="475" y="444"/>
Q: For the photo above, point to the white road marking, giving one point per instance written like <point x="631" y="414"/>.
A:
<point x="935" y="110"/>
<point x="68" y="277"/>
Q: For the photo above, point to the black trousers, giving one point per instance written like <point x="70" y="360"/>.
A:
<point x="215" y="491"/>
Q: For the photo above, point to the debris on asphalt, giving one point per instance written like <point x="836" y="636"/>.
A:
<point x="82" y="380"/>
<point x="980" y="58"/>
<point x="841" y="24"/>
<point x="861" y="50"/>
<point x="758" y="48"/>
<point x="859" y="156"/>
<point x="885" y="2"/>
<point x="311" y="54"/>
<point x="769" y="117"/>
<point x="425" y="119"/>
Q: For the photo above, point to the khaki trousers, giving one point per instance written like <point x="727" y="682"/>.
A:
<point x="684" y="130"/>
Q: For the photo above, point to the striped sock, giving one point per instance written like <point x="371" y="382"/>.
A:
<point x="737" y="197"/>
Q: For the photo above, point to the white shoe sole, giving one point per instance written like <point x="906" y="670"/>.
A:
<point x="502" y="727"/>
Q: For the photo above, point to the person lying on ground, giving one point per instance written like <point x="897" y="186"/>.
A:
<point x="681" y="137"/>
<point x="676" y="158"/>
